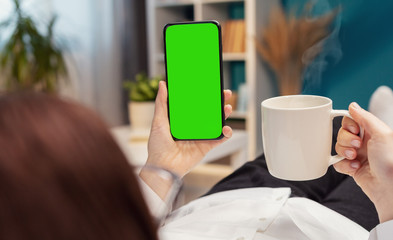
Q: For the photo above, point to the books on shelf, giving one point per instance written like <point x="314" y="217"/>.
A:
<point x="238" y="102"/>
<point x="242" y="98"/>
<point x="237" y="78"/>
<point x="237" y="74"/>
<point x="234" y="36"/>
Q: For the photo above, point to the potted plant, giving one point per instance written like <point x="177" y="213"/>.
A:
<point x="29" y="59"/>
<point x="142" y="92"/>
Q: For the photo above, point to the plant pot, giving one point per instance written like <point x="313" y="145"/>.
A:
<point x="140" y="114"/>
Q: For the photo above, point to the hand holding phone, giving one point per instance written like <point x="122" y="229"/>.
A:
<point x="194" y="79"/>
<point x="180" y="157"/>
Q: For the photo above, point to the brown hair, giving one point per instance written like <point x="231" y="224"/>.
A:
<point x="62" y="176"/>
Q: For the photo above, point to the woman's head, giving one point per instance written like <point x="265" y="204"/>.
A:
<point x="62" y="176"/>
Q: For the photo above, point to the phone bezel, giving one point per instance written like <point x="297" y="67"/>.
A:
<point x="217" y="24"/>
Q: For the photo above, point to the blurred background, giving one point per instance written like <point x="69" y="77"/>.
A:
<point x="109" y="56"/>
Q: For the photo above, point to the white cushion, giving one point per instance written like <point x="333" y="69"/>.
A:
<point x="381" y="105"/>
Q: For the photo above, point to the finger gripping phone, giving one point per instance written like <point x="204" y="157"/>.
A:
<point x="193" y="63"/>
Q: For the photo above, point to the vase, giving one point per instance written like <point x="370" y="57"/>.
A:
<point x="290" y="79"/>
<point x="141" y="114"/>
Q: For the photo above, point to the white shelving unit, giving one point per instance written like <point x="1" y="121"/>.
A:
<point x="259" y="84"/>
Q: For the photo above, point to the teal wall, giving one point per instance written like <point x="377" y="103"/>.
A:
<point x="365" y="39"/>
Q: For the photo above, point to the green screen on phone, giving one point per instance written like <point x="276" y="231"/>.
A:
<point x="194" y="80"/>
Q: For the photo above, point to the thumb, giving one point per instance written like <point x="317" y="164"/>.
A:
<point x="161" y="107"/>
<point x="367" y="120"/>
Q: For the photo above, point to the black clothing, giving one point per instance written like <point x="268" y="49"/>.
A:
<point x="334" y="190"/>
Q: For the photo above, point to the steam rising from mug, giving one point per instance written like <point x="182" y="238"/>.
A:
<point x="331" y="49"/>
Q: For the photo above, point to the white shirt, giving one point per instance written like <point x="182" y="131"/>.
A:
<point x="260" y="213"/>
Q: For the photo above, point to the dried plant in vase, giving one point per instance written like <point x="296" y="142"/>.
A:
<point x="290" y="43"/>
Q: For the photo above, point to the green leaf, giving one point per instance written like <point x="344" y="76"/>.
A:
<point x="143" y="88"/>
<point x="6" y="23"/>
<point x="135" y="95"/>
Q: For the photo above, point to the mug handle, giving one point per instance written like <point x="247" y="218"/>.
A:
<point x="336" y="113"/>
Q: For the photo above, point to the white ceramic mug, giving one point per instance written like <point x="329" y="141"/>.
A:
<point x="297" y="136"/>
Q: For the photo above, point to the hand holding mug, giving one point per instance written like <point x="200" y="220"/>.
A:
<point x="368" y="161"/>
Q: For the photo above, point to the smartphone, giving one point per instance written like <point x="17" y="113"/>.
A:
<point x="193" y="62"/>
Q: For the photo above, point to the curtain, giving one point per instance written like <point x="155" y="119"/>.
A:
<point x="94" y="55"/>
<point x="105" y="44"/>
<point x="132" y="19"/>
